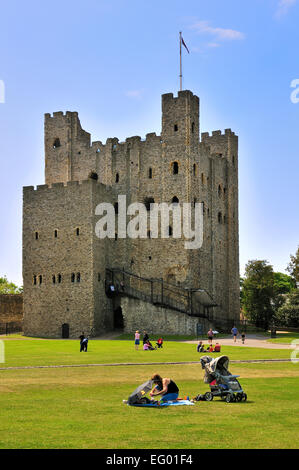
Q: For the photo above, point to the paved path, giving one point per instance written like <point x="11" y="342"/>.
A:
<point x="59" y="366"/>
<point x="251" y="341"/>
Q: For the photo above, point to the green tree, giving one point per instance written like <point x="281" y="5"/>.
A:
<point x="283" y="284"/>
<point x="258" y="293"/>
<point x="7" y="287"/>
<point x="293" y="267"/>
<point x="288" y="313"/>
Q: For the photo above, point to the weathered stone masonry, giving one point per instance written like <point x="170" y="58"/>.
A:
<point x="64" y="262"/>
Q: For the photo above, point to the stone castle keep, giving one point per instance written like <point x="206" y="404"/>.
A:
<point x="158" y="284"/>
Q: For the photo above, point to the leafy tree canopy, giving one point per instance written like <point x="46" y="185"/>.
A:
<point x="7" y="287"/>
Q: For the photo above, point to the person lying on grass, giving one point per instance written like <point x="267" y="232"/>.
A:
<point x="165" y="387"/>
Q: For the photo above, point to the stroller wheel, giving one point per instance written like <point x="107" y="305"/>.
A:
<point x="229" y="398"/>
<point x="208" y="396"/>
<point x="244" y="396"/>
<point x="239" y="396"/>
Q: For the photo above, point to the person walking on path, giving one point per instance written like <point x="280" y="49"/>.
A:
<point x="137" y="340"/>
<point x="234" y="333"/>
<point x="210" y="336"/>
<point x="243" y="337"/>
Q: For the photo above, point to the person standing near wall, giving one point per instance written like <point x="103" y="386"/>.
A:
<point x="137" y="340"/>
<point x="81" y="338"/>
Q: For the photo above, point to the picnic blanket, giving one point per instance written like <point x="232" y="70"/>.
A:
<point x="166" y="403"/>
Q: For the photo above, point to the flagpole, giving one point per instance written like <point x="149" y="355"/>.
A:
<point x="181" y="75"/>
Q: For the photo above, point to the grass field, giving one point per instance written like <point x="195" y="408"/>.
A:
<point x="81" y="407"/>
<point x="285" y="338"/>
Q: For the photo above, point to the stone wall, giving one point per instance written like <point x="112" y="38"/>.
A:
<point x="11" y="308"/>
<point x="139" y="315"/>
<point x="63" y="271"/>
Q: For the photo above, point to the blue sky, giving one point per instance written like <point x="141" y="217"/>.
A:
<point x="112" y="60"/>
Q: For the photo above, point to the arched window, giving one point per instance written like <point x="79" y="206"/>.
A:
<point x="175" y="168"/>
<point x="116" y="236"/>
<point x="194" y="201"/>
<point x="175" y="127"/>
<point x="54" y="279"/>
<point x="98" y="150"/>
<point x="175" y="200"/>
<point x="149" y="234"/>
<point x="36" y="235"/>
<point x="78" y="277"/>
<point x="116" y="178"/>
<point x="55" y="233"/>
<point x="73" y="277"/>
<point x="219" y="190"/>
<point x="219" y="217"/>
<point x="147" y="202"/>
<point x="202" y="178"/>
<point x="59" y="278"/>
<point x="192" y="127"/>
<point x="40" y="279"/>
<point x="77" y="232"/>
<point x="170" y="231"/>
<point x="194" y="169"/>
<point x="34" y="279"/>
<point x="150" y="173"/>
<point x="56" y="143"/>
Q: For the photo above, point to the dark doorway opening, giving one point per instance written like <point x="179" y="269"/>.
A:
<point x="65" y="330"/>
<point x="118" y="320"/>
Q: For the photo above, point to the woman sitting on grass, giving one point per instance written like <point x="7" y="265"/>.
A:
<point x="165" y="387"/>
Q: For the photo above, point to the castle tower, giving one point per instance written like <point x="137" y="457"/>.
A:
<point x="64" y="138"/>
<point x="180" y="118"/>
<point x="65" y="264"/>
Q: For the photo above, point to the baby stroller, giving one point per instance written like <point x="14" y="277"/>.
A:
<point x="138" y="396"/>
<point x="222" y="383"/>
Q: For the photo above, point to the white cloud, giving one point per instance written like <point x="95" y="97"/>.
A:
<point x="284" y="6"/>
<point x="134" y="93"/>
<point x="219" y="34"/>
<point x="213" y="44"/>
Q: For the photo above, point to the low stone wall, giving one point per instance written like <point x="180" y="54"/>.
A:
<point x="11" y="308"/>
<point x="11" y="313"/>
<point x="139" y="315"/>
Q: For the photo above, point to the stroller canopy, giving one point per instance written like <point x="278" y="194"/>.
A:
<point x="140" y="392"/>
<point x="219" y="363"/>
<point x="210" y="365"/>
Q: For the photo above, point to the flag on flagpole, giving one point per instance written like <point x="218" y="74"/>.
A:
<point x="183" y="42"/>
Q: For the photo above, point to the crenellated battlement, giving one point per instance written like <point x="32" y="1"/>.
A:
<point x="54" y="186"/>
<point x="206" y="135"/>
<point x="60" y="114"/>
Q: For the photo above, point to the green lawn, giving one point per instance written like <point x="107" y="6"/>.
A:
<point x="82" y="407"/>
<point x="37" y="352"/>
<point x="285" y="338"/>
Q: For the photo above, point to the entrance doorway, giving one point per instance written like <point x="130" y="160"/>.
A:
<point x="118" y="319"/>
<point x="65" y="330"/>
